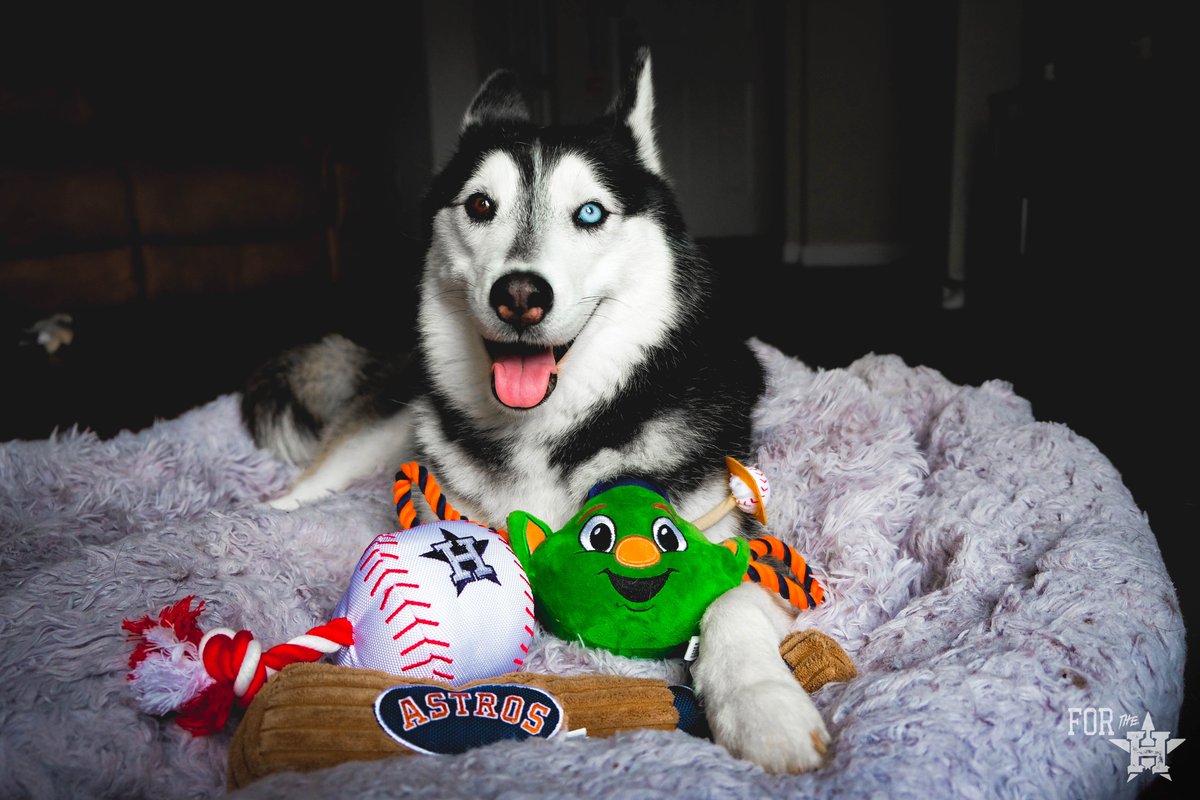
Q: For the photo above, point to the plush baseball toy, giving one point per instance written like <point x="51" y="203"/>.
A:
<point x="628" y="574"/>
<point x="445" y="600"/>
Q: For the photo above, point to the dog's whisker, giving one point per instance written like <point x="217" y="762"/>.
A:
<point x="601" y="298"/>
<point x="461" y="294"/>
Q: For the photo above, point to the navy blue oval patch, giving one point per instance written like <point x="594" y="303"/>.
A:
<point x="439" y="720"/>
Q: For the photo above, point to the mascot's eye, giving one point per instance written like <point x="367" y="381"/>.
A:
<point x="590" y="215"/>
<point x="480" y="207"/>
<point x="599" y="534"/>
<point x="667" y="536"/>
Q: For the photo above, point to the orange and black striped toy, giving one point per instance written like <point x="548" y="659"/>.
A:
<point x="807" y="593"/>
<point x="411" y="474"/>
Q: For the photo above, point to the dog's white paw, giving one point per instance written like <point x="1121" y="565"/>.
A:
<point x="774" y="724"/>
<point x="301" y="494"/>
<point x="287" y="502"/>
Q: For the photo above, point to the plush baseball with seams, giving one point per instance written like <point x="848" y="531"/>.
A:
<point x="446" y="601"/>
<point x="743" y="495"/>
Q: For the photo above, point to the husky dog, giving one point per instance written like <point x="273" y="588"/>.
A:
<point x="567" y="334"/>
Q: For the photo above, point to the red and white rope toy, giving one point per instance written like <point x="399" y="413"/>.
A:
<point x="175" y="667"/>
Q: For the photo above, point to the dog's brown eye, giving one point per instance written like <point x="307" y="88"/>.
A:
<point x="480" y="207"/>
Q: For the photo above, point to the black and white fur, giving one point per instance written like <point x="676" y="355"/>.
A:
<point x="651" y="383"/>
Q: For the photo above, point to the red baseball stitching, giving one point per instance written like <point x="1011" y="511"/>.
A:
<point x="528" y="609"/>
<point x="426" y="643"/>
<point x="382" y="556"/>
<point x="429" y="660"/>
<point x="387" y="572"/>
<point x="383" y="538"/>
<point x="366" y="554"/>
<point x="413" y="624"/>
<point x="400" y="607"/>
<point x="362" y="561"/>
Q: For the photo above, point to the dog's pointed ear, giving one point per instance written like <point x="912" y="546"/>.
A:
<point x="498" y="100"/>
<point x="634" y="106"/>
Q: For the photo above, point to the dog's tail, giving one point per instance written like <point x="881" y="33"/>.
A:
<point x="289" y="402"/>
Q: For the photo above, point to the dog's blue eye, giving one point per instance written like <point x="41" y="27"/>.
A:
<point x="590" y="214"/>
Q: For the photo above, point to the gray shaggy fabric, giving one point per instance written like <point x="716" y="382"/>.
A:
<point x="986" y="571"/>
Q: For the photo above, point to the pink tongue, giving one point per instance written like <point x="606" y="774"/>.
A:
<point x="521" y="381"/>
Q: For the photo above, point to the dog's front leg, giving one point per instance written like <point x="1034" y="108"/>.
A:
<point x="755" y="707"/>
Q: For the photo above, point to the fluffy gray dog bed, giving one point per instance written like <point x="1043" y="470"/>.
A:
<point x="987" y="572"/>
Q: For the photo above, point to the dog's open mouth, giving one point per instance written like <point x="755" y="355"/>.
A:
<point x="524" y="375"/>
<point x="638" y="590"/>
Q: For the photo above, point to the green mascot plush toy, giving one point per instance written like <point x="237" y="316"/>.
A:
<point x="630" y="575"/>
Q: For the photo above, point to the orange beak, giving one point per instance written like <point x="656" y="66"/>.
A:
<point x="637" y="552"/>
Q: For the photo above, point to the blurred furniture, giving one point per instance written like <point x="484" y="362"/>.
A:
<point x="87" y="222"/>
<point x="196" y="205"/>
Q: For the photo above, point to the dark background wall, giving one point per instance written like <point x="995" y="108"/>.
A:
<point x="992" y="188"/>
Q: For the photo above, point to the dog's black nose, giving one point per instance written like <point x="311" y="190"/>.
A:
<point x="521" y="299"/>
